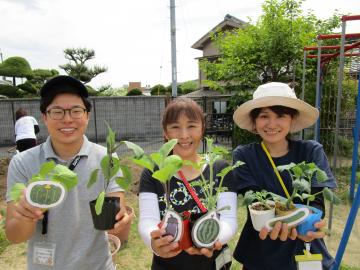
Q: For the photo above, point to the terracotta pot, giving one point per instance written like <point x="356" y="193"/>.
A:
<point x="114" y="245"/>
<point x="106" y="220"/>
<point x="123" y="235"/>
<point x="259" y="218"/>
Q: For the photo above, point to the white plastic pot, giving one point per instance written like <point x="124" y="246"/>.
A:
<point x="114" y="240"/>
<point x="259" y="218"/>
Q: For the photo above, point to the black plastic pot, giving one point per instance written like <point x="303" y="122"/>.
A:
<point x="106" y="220"/>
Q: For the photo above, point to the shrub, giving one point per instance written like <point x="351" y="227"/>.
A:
<point x="158" y="90"/>
<point x="134" y="92"/>
<point x="15" y="67"/>
<point x="11" y="91"/>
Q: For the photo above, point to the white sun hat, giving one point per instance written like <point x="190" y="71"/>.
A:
<point x="276" y="94"/>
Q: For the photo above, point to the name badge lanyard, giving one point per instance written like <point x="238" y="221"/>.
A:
<point x="192" y="192"/>
<point x="46" y="214"/>
<point x="275" y="170"/>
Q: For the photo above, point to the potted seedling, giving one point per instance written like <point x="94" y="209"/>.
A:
<point x="163" y="166"/>
<point x="206" y="229"/>
<point x="105" y="208"/>
<point x="48" y="188"/>
<point x="302" y="175"/>
<point x="261" y="207"/>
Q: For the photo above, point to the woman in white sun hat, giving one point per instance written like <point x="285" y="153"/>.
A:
<point x="274" y="113"/>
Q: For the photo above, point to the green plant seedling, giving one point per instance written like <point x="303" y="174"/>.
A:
<point x="213" y="154"/>
<point x="110" y="166"/>
<point x="263" y="197"/>
<point x="302" y="175"/>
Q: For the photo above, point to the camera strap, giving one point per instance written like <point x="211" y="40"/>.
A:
<point x="192" y="192"/>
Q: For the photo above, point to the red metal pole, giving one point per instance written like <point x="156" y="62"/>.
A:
<point x="330" y="54"/>
<point x="334" y="47"/>
<point x="350" y="17"/>
<point x="330" y="36"/>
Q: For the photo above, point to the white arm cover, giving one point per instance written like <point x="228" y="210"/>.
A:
<point x="149" y="215"/>
<point x="228" y="218"/>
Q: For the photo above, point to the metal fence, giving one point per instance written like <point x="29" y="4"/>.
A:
<point x="134" y="118"/>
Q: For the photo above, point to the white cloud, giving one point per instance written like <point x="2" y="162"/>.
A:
<point x="131" y="38"/>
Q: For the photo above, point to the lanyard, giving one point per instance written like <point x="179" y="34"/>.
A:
<point x="46" y="214"/>
<point x="192" y="192"/>
<point x="275" y="170"/>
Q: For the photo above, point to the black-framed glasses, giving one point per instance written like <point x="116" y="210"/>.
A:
<point x="59" y="113"/>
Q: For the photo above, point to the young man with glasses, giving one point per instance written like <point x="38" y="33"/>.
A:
<point x="69" y="241"/>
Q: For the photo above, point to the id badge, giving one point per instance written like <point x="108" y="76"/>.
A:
<point x="223" y="258"/>
<point x="44" y="253"/>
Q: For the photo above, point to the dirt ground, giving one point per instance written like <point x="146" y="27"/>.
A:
<point x="351" y="256"/>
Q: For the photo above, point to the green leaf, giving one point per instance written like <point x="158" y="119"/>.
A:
<point x="16" y="191"/>
<point x="228" y="169"/>
<point x="124" y="181"/>
<point x="46" y="168"/>
<point x="302" y="185"/>
<point x="93" y="178"/>
<point x="144" y="162"/>
<point x="138" y="151"/>
<point x="308" y="197"/>
<point x="164" y="174"/>
<point x="157" y="158"/>
<point x="219" y="150"/>
<point x="110" y="139"/>
<point x="65" y="176"/>
<point x="330" y="196"/>
<point x="285" y="167"/>
<point x="167" y="147"/>
<point x="173" y="160"/>
<point x="37" y="177"/>
<point x="321" y="176"/>
<point x="109" y="166"/>
<point x="193" y="164"/>
<point x="99" y="202"/>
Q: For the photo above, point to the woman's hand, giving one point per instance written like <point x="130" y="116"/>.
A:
<point x="314" y="235"/>
<point x="162" y="245"/>
<point x="280" y="231"/>
<point x="208" y="252"/>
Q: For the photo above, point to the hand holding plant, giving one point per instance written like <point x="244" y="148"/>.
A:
<point x="47" y="188"/>
<point x="110" y="168"/>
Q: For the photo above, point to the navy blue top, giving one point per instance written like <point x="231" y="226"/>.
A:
<point x="257" y="173"/>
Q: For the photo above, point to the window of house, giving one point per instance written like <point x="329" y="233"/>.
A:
<point x="220" y="106"/>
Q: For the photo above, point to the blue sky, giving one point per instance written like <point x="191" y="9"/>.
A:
<point x="131" y="38"/>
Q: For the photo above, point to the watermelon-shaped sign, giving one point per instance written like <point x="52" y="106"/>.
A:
<point x="293" y="219"/>
<point x="206" y="230"/>
<point x="45" y="194"/>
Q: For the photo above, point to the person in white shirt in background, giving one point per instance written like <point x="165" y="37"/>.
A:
<point x="26" y="128"/>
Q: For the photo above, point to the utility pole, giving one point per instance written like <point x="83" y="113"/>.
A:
<point x="173" y="49"/>
<point x="2" y="60"/>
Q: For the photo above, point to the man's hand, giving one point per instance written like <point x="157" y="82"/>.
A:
<point x="24" y="211"/>
<point x="123" y="219"/>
